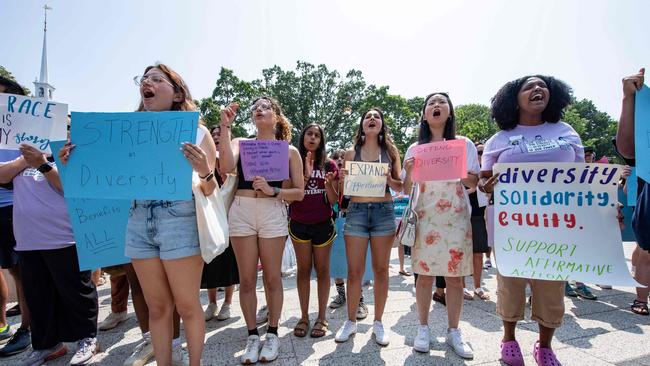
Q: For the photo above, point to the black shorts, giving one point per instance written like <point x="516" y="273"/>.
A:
<point x="8" y="256"/>
<point x="319" y="235"/>
<point x="479" y="235"/>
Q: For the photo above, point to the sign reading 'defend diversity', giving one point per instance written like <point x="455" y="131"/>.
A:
<point x="131" y="155"/>
<point x="32" y="121"/>
<point x="98" y="225"/>
<point x="365" y="179"/>
<point x="264" y="158"/>
<point x="442" y="160"/>
<point x="642" y="133"/>
<point x="557" y="221"/>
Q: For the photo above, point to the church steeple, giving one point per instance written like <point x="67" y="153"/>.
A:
<point x="43" y="89"/>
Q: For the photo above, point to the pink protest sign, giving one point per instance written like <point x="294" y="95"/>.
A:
<point x="268" y="159"/>
<point x="444" y="160"/>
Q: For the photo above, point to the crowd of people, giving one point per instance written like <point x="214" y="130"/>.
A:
<point x="58" y="303"/>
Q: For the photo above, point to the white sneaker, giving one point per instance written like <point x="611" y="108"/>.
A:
<point x="422" y="340"/>
<point x="210" y="311"/>
<point x="344" y="333"/>
<point x="87" y="348"/>
<point x="381" y="336"/>
<point x="270" y="348"/>
<point x="180" y="357"/>
<point x="455" y="341"/>
<point x="112" y="320"/>
<point x="252" y="350"/>
<point x="142" y="353"/>
<point x="224" y="313"/>
<point x="262" y="315"/>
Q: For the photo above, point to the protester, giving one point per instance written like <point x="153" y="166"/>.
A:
<point x="441" y="248"/>
<point x="19" y="340"/>
<point x="370" y="218"/>
<point x="258" y="221"/>
<point x="528" y="112"/>
<point x="311" y="227"/>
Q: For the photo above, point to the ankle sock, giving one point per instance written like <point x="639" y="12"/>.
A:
<point x="253" y="332"/>
<point x="176" y="342"/>
<point x="272" y="330"/>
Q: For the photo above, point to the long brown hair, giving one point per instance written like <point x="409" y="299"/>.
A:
<point x="187" y="104"/>
<point x="282" y="126"/>
<point x="383" y="138"/>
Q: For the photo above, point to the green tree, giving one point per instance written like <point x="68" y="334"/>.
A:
<point x="474" y="122"/>
<point x="596" y="128"/>
<point x="6" y="73"/>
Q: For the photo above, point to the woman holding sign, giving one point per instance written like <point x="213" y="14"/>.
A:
<point x="443" y="243"/>
<point x="372" y="165"/>
<point x="258" y="216"/>
<point x="528" y="112"/>
<point x="162" y="236"/>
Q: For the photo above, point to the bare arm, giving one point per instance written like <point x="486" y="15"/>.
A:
<point x="10" y="169"/>
<point x="625" y="131"/>
<point x="227" y="152"/>
<point x="331" y="184"/>
<point x="296" y="192"/>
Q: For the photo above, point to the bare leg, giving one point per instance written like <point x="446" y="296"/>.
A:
<point x="380" y="247"/>
<point x="423" y="297"/>
<point x="356" y="249"/>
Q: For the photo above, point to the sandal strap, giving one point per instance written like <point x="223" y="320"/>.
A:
<point x="324" y="323"/>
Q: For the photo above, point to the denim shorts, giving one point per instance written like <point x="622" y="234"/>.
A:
<point x="366" y="219"/>
<point x="162" y="229"/>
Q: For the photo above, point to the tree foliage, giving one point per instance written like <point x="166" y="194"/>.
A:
<point x="6" y="73"/>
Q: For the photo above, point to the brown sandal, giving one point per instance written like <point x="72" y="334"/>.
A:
<point x="320" y="329"/>
<point x="300" y="330"/>
<point x="640" y="307"/>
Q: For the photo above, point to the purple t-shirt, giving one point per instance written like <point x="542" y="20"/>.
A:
<point x="6" y="195"/>
<point x="41" y="220"/>
<point x="545" y="143"/>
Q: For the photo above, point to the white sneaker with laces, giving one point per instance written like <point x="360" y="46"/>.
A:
<point x="381" y="336"/>
<point x="142" y="353"/>
<point x="455" y="341"/>
<point x="270" y="348"/>
<point x="224" y="312"/>
<point x="87" y="349"/>
<point x="112" y="320"/>
<point x="252" y="350"/>
<point x="422" y="342"/>
<point x="180" y="357"/>
<point x="210" y="311"/>
<point x="343" y="334"/>
<point x="262" y="315"/>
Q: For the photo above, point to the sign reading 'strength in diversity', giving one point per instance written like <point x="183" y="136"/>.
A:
<point x="558" y="221"/>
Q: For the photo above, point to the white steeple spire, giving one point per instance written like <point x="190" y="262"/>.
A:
<point x="43" y="88"/>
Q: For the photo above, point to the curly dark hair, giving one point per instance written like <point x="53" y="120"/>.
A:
<point x="505" y="109"/>
<point x="321" y="153"/>
<point x="424" y="135"/>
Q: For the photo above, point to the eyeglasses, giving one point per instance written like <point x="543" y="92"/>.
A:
<point x="154" y="78"/>
<point x="264" y="106"/>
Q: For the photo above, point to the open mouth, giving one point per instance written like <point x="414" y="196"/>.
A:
<point x="372" y="124"/>
<point x="148" y="93"/>
<point x="536" y="97"/>
<point x="436" y="113"/>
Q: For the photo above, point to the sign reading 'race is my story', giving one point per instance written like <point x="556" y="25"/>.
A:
<point x="443" y="160"/>
<point x="32" y="121"/>
<point x="264" y="158"/>
<point x="131" y="155"/>
<point x="365" y="179"/>
<point x="558" y="221"/>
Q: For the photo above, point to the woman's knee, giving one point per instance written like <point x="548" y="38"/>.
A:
<point x="159" y="309"/>
<point x="247" y="284"/>
<point x="188" y="307"/>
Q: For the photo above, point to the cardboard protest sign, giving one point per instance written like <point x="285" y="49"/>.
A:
<point x="32" y="121"/>
<point x="557" y="221"/>
<point x="98" y="225"/>
<point x="442" y="160"/>
<point x="131" y="155"/>
<point x="264" y="158"/>
<point x="365" y="179"/>
<point x="642" y="133"/>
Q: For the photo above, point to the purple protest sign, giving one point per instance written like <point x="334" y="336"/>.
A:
<point x="268" y="159"/>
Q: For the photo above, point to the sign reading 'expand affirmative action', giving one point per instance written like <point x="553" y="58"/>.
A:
<point x="32" y="121"/>
<point x="557" y="221"/>
<point x="264" y="158"/>
<point x="131" y="155"/>
<point x="365" y="179"/>
<point x="443" y="160"/>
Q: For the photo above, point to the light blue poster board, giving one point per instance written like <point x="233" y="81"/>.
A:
<point x="632" y="188"/>
<point x="642" y="133"/>
<point x="99" y="225"/>
<point x="627" y="234"/>
<point x="131" y="155"/>
<point x="338" y="257"/>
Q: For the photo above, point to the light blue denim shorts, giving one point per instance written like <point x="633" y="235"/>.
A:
<point x="162" y="229"/>
<point x="366" y="219"/>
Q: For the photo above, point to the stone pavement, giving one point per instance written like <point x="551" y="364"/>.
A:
<point x="602" y="332"/>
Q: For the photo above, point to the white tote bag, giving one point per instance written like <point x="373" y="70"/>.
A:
<point x="211" y="221"/>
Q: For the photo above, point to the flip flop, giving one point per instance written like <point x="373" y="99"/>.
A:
<point x="404" y="273"/>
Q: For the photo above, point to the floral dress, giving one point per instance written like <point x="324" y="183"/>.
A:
<point x="443" y="241"/>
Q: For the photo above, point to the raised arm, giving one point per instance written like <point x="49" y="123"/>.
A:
<point x="227" y="148"/>
<point x="625" y="131"/>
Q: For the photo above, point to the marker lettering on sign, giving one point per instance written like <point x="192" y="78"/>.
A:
<point x="141" y="132"/>
<point x="32" y="107"/>
<point x="89" y="175"/>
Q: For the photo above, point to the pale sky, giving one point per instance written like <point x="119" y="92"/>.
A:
<point x="468" y="48"/>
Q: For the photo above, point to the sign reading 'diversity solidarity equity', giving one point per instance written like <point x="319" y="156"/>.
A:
<point x="557" y="221"/>
<point x="264" y="158"/>
<point x="365" y="179"/>
<point x="32" y="121"/>
<point x="642" y="133"/>
<point x="131" y="155"/>
<point x="443" y="160"/>
<point x="98" y="225"/>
